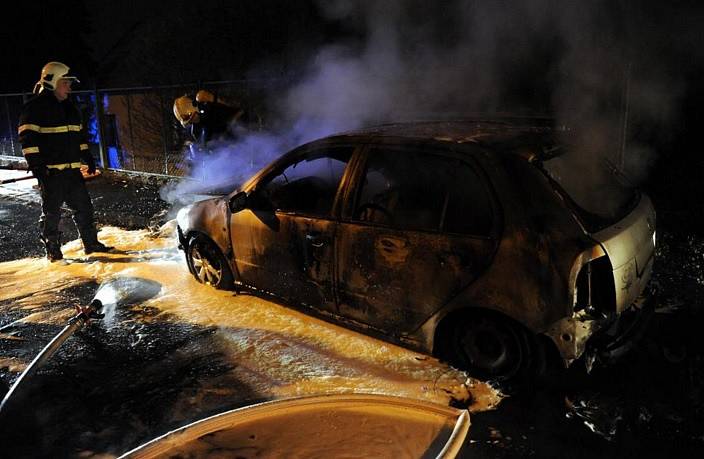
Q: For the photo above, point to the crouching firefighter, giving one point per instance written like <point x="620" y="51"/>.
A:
<point x="210" y="120"/>
<point x="54" y="144"/>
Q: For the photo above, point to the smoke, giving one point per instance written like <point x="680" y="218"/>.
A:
<point x="416" y="61"/>
<point x="225" y="165"/>
<point x="581" y="62"/>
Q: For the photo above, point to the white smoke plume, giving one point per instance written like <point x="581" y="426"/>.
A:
<point x="579" y="62"/>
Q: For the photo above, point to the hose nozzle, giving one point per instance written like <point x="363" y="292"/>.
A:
<point x="86" y="313"/>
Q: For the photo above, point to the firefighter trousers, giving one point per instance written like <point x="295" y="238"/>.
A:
<point x="66" y="186"/>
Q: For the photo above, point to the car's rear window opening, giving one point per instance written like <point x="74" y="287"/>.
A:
<point x="598" y="192"/>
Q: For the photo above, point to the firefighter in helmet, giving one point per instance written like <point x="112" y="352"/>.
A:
<point x="54" y="144"/>
<point x="208" y="119"/>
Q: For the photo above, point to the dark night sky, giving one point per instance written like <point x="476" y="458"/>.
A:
<point x="126" y="43"/>
<point x="213" y="39"/>
<point x="528" y="52"/>
<point x="148" y="42"/>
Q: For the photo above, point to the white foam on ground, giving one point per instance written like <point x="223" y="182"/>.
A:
<point x="279" y="352"/>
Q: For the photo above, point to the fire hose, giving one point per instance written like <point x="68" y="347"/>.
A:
<point x="118" y="291"/>
<point x="83" y="317"/>
<point x="84" y="172"/>
<point x="13" y="180"/>
<point x="17" y="179"/>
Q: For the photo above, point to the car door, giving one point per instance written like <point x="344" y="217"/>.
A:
<point x="283" y="240"/>
<point x="419" y="229"/>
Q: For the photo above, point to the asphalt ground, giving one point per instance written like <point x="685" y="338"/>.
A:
<point x="122" y="200"/>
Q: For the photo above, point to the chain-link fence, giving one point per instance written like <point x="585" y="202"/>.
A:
<point x="134" y="129"/>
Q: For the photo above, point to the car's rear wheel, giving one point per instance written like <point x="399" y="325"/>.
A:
<point x="208" y="264"/>
<point x="489" y="346"/>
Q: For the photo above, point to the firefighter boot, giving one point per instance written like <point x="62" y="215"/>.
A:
<point x="96" y="246"/>
<point x="53" y="250"/>
<point x="89" y="236"/>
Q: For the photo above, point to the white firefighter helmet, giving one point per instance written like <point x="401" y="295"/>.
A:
<point x="51" y="74"/>
<point x="185" y="111"/>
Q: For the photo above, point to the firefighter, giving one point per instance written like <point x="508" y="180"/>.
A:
<point x="209" y="119"/>
<point x="54" y="144"/>
<point x="187" y="114"/>
<point x="217" y="120"/>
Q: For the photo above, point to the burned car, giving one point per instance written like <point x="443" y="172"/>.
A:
<point x="465" y="240"/>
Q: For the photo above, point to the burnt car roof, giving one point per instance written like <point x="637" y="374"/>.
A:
<point x="457" y="130"/>
<point x="516" y="135"/>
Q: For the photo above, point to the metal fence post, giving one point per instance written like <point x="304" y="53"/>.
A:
<point x="10" y="130"/>
<point x="129" y="122"/>
<point x="101" y="130"/>
<point x="163" y="132"/>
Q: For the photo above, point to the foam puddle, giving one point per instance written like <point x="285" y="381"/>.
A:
<point x="278" y="351"/>
<point x="123" y="291"/>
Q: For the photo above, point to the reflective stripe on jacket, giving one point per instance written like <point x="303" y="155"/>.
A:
<point x="52" y="132"/>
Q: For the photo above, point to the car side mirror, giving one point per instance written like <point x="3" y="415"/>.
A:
<point x="238" y="202"/>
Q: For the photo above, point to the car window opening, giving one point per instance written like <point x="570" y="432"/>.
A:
<point x="421" y="191"/>
<point x="595" y="194"/>
<point x="307" y="186"/>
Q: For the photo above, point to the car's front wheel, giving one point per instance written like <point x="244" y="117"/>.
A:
<point x="208" y="264"/>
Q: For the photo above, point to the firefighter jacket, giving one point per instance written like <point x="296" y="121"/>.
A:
<point x="215" y="120"/>
<point x="52" y="133"/>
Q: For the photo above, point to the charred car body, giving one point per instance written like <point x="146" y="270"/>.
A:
<point x="460" y="239"/>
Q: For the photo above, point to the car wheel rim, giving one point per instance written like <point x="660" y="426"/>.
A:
<point x="206" y="271"/>
<point x="492" y="348"/>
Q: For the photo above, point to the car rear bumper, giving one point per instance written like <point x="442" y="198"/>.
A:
<point x="603" y="338"/>
<point x="611" y="343"/>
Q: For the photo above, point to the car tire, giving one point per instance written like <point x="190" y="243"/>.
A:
<point x="491" y="347"/>
<point x="208" y="265"/>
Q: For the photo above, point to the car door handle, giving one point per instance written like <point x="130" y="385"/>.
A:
<point x="315" y="240"/>
<point x="388" y="244"/>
